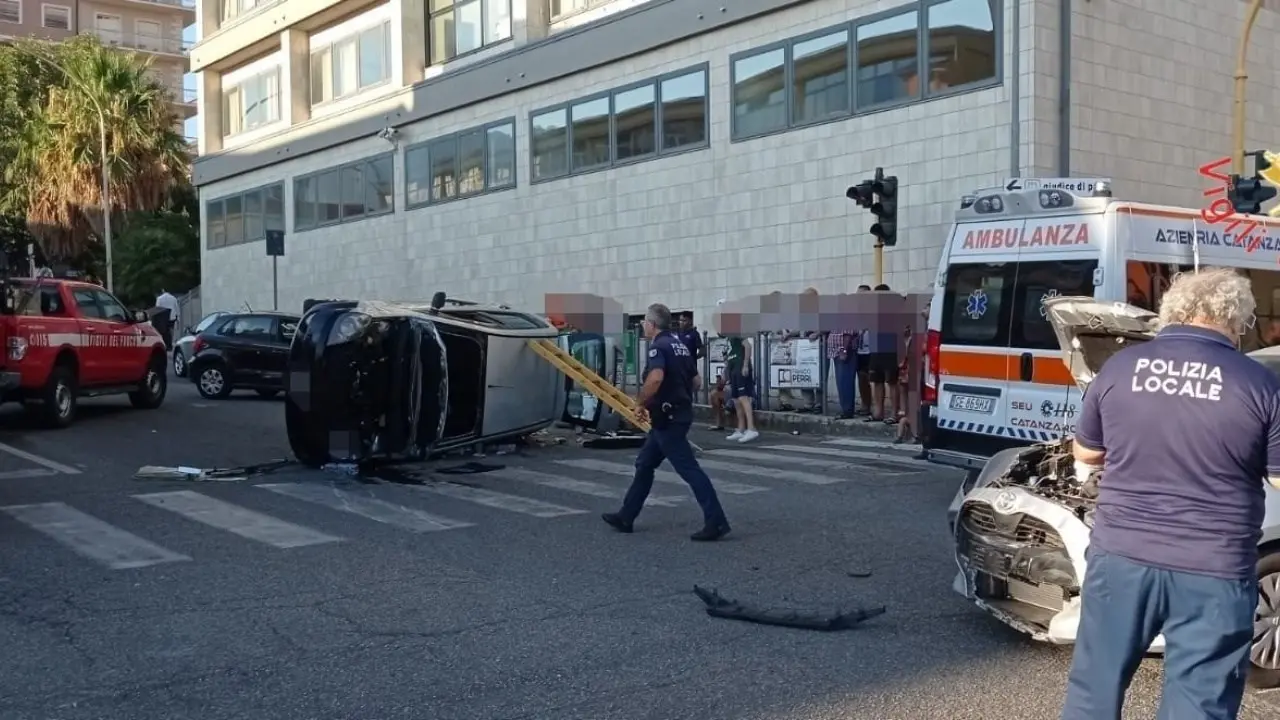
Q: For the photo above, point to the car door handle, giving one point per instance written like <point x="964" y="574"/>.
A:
<point x="1028" y="367"/>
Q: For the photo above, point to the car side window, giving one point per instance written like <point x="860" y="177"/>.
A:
<point x="87" y="303"/>
<point x="44" y="302"/>
<point x="288" y="326"/>
<point x="252" y="327"/>
<point x="111" y="308"/>
<point x="207" y="321"/>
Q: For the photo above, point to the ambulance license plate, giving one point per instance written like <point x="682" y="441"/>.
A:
<point x="972" y="403"/>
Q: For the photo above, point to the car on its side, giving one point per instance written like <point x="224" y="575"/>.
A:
<point x="1021" y="525"/>
<point x="242" y="351"/>
<point x="182" y="346"/>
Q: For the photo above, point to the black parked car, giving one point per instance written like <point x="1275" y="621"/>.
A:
<point x="247" y="351"/>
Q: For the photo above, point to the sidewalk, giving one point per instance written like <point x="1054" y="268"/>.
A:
<point x="807" y="423"/>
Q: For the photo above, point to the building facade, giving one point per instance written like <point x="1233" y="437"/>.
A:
<point x="676" y="150"/>
<point x="153" y="27"/>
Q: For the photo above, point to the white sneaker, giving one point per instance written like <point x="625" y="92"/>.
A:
<point x="748" y="436"/>
<point x="737" y="434"/>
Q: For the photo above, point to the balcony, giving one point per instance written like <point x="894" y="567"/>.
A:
<point x="143" y="43"/>
<point x="186" y="5"/>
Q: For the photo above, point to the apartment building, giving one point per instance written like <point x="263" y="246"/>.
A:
<point x="153" y="27"/>
<point x="675" y="150"/>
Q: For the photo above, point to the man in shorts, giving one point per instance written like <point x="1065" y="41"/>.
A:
<point x="882" y="371"/>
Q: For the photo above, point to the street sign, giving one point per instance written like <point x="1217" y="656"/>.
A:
<point x="1072" y="185"/>
<point x="275" y="243"/>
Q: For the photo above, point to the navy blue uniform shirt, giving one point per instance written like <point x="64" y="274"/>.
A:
<point x="1191" y="429"/>
<point x="692" y="339"/>
<point x="669" y="354"/>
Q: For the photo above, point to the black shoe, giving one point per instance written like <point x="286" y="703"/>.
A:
<point x="617" y="522"/>
<point x="711" y="532"/>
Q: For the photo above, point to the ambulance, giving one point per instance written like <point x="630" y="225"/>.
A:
<point x="994" y="373"/>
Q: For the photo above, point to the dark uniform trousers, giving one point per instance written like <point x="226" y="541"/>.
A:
<point x="1207" y="624"/>
<point x="671" y="442"/>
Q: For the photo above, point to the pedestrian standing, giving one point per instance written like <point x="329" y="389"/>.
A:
<point x="862" y="365"/>
<point x="666" y="399"/>
<point x="738" y="366"/>
<point x="1184" y="429"/>
<point x="691" y="336"/>
<point x="166" y="301"/>
<point x="841" y="351"/>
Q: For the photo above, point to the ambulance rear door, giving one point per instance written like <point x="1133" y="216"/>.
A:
<point x="1057" y="256"/>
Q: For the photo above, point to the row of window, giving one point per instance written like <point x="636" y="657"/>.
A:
<point x="55" y="17"/>
<point x="245" y="217"/>
<point x="462" y="164"/>
<point x="361" y="189"/>
<point x="640" y="121"/>
<point x="252" y="103"/>
<point x="823" y="75"/>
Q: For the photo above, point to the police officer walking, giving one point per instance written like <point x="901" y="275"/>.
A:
<point x="666" y="398"/>
<point x="1184" y="429"/>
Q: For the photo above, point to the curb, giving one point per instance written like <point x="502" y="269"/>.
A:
<point x="808" y="424"/>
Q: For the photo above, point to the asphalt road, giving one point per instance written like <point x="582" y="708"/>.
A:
<point x="495" y="596"/>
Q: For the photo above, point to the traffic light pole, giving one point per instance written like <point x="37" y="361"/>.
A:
<point x="879" y="255"/>
<point x="1242" y="75"/>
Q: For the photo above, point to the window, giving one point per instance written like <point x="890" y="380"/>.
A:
<point x="635" y="122"/>
<point x="1002" y="304"/>
<point x="820" y="78"/>
<point x="44" y="301"/>
<point x="888" y="66"/>
<point x="635" y="114"/>
<point x="759" y="96"/>
<point x="11" y="11"/>
<point x="351" y="65"/>
<point x="252" y="325"/>
<point x="229" y="10"/>
<point x="251" y="103"/>
<point x="864" y="66"/>
<point x="466" y="163"/>
<point x="973" y="305"/>
<point x="590" y="133"/>
<point x="245" y="217"/>
<point x="1036" y="282"/>
<point x="57" y="17"/>
<point x="111" y="308"/>
<point x="288" y="326"/>
<point x="207" y="321"/>
<point x="87" y="303"/>
<point x="564" y="8"/>
<point x="961" y="38"/>
<point x="458" y="27"/>
<point x="349" y="192"/>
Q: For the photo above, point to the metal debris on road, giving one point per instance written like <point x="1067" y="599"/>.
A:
<point x="195" y="474"/>
<point x="719" y="606"/>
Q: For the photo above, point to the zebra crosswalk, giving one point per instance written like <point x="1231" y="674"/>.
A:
<point x="536" y="487"/>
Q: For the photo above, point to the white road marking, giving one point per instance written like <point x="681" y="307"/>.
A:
<point x="501" y="501"/>
<point x="41" y="461"/>
<point x="881" y="444"/>
<point x="764" y="457"/>
<point x="777" y="473"/>
<point x="19" y="474"/>
<point x="91" y="537"/>
<point x="576" y="486"/>
<point x="235" y="519"/>
<point x="665" y="476"/>
<point x="854" y="454"/>
<point x="368" y="507"/>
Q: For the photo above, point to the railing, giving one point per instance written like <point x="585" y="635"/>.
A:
<point x="188" y="95"/>
<point x="561" y="9"/>
<point x="145" y="43"/>
<point x="187" y="4"/>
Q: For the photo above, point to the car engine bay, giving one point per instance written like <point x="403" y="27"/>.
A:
<point x="1048" y="471"/>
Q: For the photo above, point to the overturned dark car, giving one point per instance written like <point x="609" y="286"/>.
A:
<point x="372" y="381"/>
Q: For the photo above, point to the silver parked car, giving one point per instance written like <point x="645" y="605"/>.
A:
<point x="182" y="347"/>
<point x="1022" y="526"/>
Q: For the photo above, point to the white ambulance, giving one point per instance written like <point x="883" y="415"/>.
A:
<point x="994" y="376"/>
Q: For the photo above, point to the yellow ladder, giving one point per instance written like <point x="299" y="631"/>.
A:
<point x="581" y="374"/>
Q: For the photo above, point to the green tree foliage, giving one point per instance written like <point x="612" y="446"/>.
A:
<point x="24" y="89"/>
<point x="57" y="162"/>
<point x="157" y="250"/>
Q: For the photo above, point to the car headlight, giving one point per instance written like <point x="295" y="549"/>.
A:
<point x="349" y="327"/>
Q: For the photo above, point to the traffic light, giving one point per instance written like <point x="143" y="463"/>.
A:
<point x="1247" y="194"/>
<point x="861" y="193"/>
<point x="885" y="208"/>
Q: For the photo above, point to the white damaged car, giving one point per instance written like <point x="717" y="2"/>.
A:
<point x="1022" y="524"/>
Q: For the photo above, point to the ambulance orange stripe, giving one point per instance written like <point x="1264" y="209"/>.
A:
<point x="1002" y="368"/>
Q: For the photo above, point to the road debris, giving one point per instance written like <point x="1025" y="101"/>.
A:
<point x="195" y="474"/>
<point x="719" y="606"/>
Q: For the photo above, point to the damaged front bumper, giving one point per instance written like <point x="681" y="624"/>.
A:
<point x="1021" y="559"/>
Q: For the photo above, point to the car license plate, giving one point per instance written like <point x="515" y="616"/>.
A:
<point x="972" y="403"/>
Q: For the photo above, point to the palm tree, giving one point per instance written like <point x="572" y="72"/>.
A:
<point x="60" y="161"/>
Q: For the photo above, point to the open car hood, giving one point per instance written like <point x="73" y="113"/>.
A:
<point x="1091" y="331"/>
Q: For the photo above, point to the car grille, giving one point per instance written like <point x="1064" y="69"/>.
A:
<point x="981" y="519"/>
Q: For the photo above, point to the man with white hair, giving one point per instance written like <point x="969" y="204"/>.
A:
<point x="1185" y="429"/>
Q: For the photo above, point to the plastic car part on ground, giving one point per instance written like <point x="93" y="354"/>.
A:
<point x="721" y="607"/>
<point x="195" y="474"/>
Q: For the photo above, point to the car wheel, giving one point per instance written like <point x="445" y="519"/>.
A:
<point x="212" y="382"/>
<point x="1264" y="653"/>
<point x="150" y="394"/>
<point x="59" y="397"/>
<point x="268" y="393"/>
<point x="179" y="364"/>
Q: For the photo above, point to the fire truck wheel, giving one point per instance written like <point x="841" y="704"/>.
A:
<point x="59" y="397"/>
<point x="150" y="394"/>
